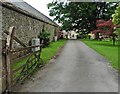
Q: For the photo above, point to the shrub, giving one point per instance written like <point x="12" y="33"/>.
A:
<point x="44" y="36"/>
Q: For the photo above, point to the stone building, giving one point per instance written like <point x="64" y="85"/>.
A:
<point x="27" y="20"/>
<point x="28" y="24"/>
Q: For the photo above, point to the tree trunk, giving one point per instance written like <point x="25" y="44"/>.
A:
<point x="97" y="36"/>
<point x="113" y="38"/>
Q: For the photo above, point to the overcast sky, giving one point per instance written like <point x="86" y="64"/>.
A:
<point x="40" y="5"/>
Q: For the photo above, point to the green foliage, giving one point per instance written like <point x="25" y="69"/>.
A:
<point x="44" y="36"/>
<point x="116" y="18"/>
<point x="81" y="15"/>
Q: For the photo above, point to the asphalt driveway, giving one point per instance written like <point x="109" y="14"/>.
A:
<point x="77" y="69"/>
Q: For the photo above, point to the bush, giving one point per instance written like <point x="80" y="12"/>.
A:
<point x="44" y="36"/>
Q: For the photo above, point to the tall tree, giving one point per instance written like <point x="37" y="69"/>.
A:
<point x="80" y="16"/>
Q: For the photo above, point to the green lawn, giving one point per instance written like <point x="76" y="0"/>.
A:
<point x="106" y="49"/>
<point x="46" y="55"/>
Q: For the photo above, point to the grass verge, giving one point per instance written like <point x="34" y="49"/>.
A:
<point x="106" y="49"/>
<point x="51" y="50"/>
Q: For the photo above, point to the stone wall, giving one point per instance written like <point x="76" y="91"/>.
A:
<point x="51" y="30"/>
<point x="2" y="67"/>
<point x="27" y="27"/>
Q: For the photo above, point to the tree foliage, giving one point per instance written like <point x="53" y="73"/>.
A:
<point x="116" y="19"/>
<point x="116" y="16"/>
<point x="80" y="16"/>
<point x="105" y="27"/>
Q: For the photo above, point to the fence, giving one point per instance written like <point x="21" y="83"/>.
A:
<point x="21" y="61"/>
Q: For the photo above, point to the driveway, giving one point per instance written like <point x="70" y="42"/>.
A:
<point x="77" y="69"/>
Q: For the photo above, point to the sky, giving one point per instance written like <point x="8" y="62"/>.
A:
<point x="40" y="5"/>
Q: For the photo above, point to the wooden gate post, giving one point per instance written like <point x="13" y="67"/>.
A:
<point x="9" y="58"/>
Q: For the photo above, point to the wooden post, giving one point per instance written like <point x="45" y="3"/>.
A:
<point x="9" y="58"/>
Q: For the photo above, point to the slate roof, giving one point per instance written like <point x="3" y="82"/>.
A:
<point x="25" y="6"/>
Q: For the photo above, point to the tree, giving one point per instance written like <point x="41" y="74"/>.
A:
<point x="105" y="28"/>
<point x="116" y="19"/>
<point x="80" y="16"/>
